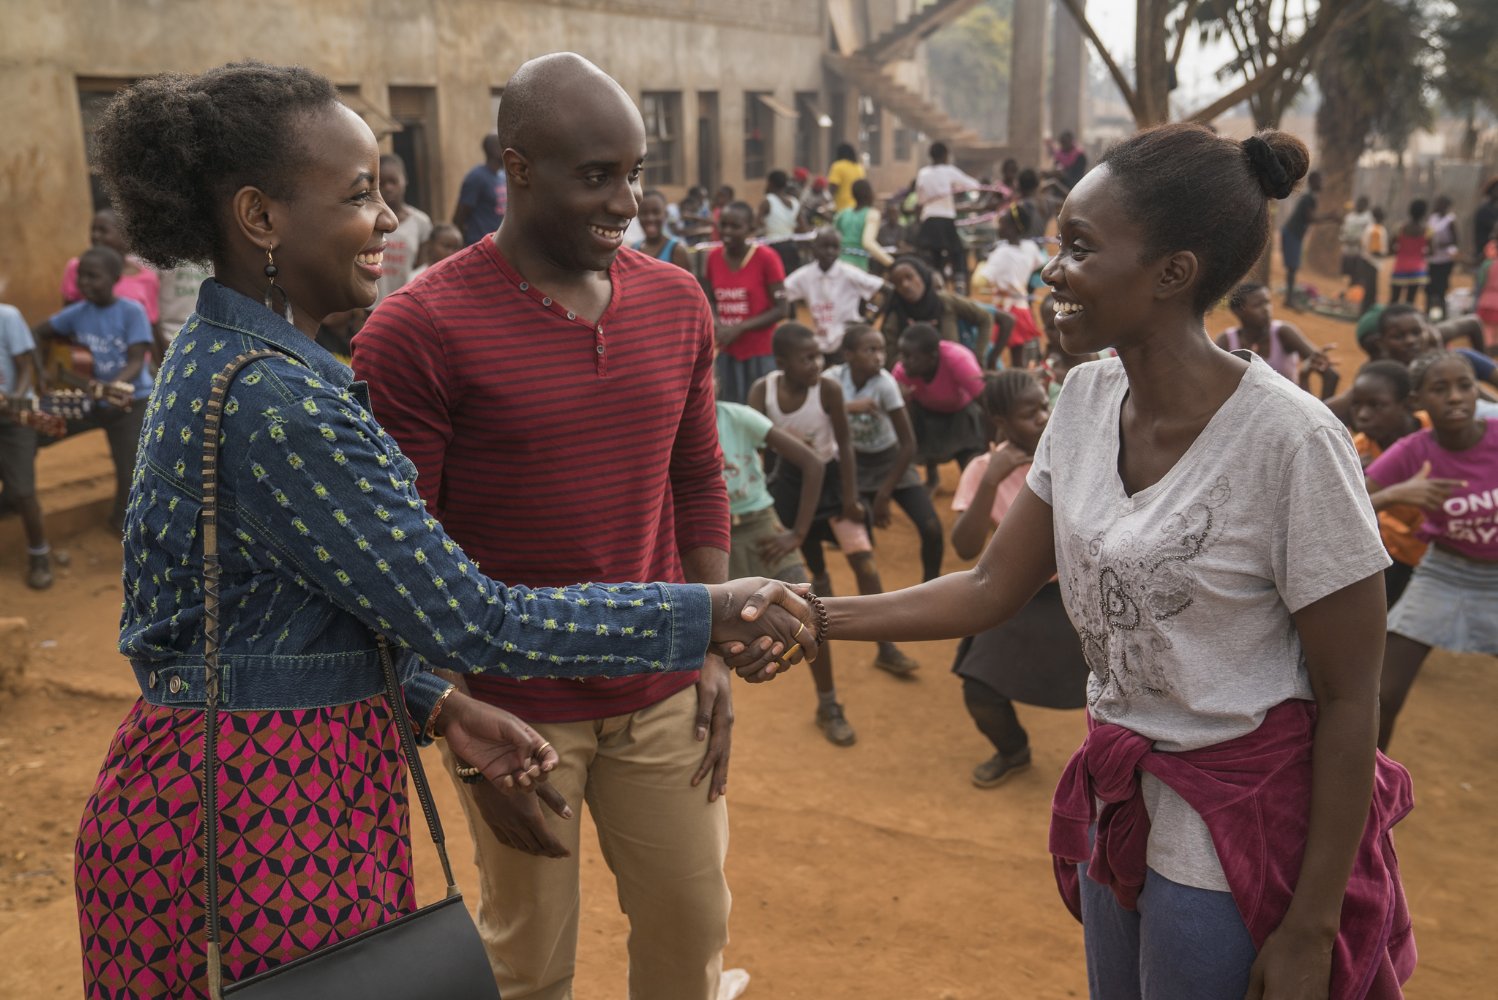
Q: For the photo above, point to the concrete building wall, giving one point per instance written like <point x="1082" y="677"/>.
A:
<point x="461" y="49"/>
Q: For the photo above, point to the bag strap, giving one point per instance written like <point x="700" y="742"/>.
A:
<point x="212" y="421"/>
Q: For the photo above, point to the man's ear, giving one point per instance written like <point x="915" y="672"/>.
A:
<point x="517" y="168"/>
<point x="254" y="215"/>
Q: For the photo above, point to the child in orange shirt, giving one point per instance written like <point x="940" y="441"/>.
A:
<point x="1381" y="415"/>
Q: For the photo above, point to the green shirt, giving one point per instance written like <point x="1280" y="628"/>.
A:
<point x="849" y="224"/>
<point x="741" y="433"/>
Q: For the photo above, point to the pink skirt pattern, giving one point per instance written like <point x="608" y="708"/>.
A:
<point x="314" y="844"/>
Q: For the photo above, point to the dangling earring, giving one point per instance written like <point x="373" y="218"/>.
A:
<point x="271" y="270"/>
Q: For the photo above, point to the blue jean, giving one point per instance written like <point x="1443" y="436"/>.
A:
<point x="1182" y="943"/>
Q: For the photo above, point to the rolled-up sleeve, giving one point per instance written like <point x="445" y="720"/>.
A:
<point x="320" y="486"/>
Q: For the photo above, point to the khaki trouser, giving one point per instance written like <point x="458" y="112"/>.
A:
<point x="663" y="840"/>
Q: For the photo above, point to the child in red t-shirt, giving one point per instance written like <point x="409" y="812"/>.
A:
<point x="746" y="284"/>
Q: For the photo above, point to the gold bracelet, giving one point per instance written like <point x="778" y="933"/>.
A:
<point x="429" y="730"/>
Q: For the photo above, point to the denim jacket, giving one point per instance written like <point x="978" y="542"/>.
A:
<point x="324" y="541"/>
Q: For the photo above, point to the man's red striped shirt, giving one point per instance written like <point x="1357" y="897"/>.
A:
<point x="552" y="449"/>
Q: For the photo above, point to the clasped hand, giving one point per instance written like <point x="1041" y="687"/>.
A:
<point x="761" y="626"/>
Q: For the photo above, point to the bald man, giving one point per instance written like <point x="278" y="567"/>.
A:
<point x="555" y="392"/>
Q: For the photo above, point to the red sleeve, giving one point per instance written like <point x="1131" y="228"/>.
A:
<point x="698" y="493"/>
<point x="1400" y="462"/>
<point x="399" y="353"/>
<point x="771" y="264"/>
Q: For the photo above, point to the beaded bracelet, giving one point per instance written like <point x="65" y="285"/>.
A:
<point x="820" y="610"/>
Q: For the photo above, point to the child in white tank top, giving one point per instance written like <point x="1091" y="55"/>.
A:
<point x="799" y="400"/>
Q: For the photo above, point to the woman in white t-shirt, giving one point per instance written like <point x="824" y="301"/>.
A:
<point x="1218" y="833"/>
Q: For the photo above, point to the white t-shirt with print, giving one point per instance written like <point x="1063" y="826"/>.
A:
<point x="1182" y="594"/>
<point x="935" y="184"/>
<point x="401" y="247"/>
<point x="833" y="297"/>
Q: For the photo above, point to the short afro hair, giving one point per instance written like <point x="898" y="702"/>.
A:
<point x="1190" y="189"/>
<point x="174" y="147"/>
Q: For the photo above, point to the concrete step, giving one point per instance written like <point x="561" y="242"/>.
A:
<point x="75" y="485"/>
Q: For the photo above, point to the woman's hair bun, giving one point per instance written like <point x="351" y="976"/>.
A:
<point x="1278" y="159"/>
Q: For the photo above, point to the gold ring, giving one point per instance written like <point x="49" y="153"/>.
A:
<point x="800" y="627"/>
<point x="795" y="648"/>
<point x="541" y="750"/>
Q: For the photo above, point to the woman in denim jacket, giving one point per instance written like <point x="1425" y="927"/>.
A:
<point x="323" y="542"/>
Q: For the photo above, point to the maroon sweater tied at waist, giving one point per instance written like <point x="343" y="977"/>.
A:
<point x="1254" y="793"/>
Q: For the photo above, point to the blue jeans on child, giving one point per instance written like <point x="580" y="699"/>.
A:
<point x="1182" y="943"/>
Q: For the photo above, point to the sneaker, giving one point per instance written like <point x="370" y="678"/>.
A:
<point x="896" y="662"/>
<point x="834" y="725"/>
<point x="39" y="577"/>
<point x="999" y="769"/>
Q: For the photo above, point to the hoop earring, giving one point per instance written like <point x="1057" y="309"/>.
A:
<point x="271" y="270"/>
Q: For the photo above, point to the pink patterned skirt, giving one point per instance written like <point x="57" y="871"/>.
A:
<point x="313" y="840"/>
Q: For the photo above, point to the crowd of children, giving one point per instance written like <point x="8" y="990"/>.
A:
<point x="897" y="371"/>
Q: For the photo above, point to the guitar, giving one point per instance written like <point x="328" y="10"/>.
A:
<point x="48" y="414"/>
<point x="73" y="364"/>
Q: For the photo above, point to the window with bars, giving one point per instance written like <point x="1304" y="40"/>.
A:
<point x="759" y="134"/>
<point x="870" y="130"/>
<point x="662" y="113"/>
<point x="94" y="94"/>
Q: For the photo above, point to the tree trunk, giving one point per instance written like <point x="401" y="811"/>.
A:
<point x="1343" y="123"/>
<point x="1151" y="65"/>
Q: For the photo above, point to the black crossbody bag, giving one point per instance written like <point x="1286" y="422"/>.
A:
<point x="434" y="952"/>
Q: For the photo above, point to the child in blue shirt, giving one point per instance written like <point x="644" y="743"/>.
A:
<point x="18" y="443"/>
<point x="118" y="335"/>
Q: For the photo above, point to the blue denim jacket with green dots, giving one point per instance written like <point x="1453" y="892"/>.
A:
<point x="324" y="541"/>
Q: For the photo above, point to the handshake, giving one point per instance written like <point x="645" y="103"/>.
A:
<point x="761" y="626"/>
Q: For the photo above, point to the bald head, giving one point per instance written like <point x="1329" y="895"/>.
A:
<point x="574" y="151"/>
<point x="552" y="92"/>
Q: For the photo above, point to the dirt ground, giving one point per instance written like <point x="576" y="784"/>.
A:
<point x="869" y="872"/>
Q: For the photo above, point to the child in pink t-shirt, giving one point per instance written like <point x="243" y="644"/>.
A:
<point x="1450" y="601"/>
<point x="942" y="381"/>
<point x="1035" y="657"/>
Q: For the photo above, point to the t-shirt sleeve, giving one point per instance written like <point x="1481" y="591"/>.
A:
<point x="1039" y="476"/>
<point x="137" y="323"/>
<point x="967" y="486"/>
<point x="15" y="337"/>
<point x="969" y="373"/>
<point x="898" y="374"/>
<point x="752" y="424"/>
<point x="1325" y="535"/>
<point x="770" y="266"/>
<point x="65" y="320"/>
<point x="1400" y="462"/>
<point x="868" y="285"/>
<point x="795" y="284"/>
<point x="887" y="393"/>
<point x="468" y="194"/>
